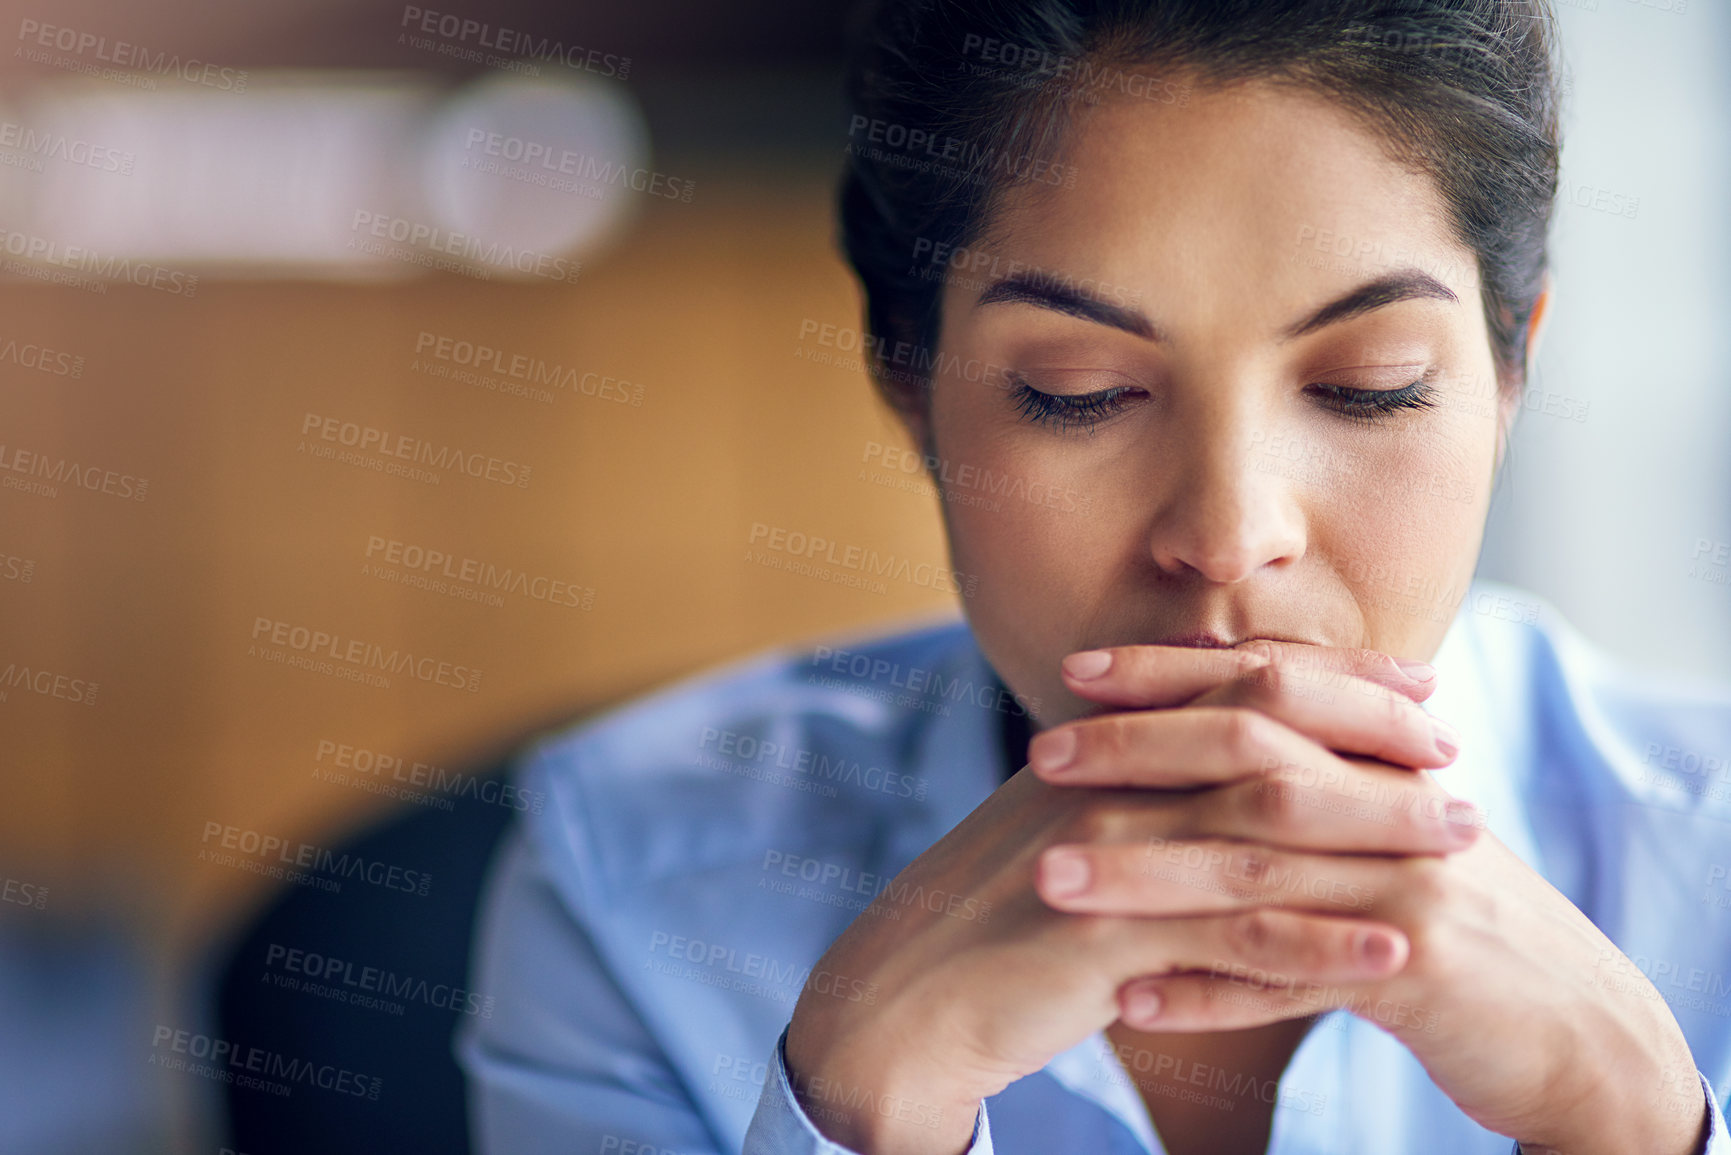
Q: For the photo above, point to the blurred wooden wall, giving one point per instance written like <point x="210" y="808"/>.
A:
<point x="648" y="506"/>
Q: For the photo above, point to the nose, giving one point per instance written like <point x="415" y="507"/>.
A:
<point x="1228" y="510"/>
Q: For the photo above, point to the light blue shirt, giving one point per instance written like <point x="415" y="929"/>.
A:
<point x="646" y="934"/>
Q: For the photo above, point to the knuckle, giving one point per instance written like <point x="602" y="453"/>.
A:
<point x="1396" y="710"/>
<point x="1264" y="685"/>
<point x="1256" y="865"/>
<point x="1095" y="822"/>
<point x="1426" y="881"/>
<point x="1269" y="803"/>
<point x="1104" y="736"/>
<point x="1368" y="661"/>
<point x="1262" y="653"/>
<point x="1253" y="936"/>
<point x="1095" y="933"/>
<point x="1246" y="734"/>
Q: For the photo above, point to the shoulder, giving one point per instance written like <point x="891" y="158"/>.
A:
<point x="805" y="745"/>
<point x="1664" y="740"/>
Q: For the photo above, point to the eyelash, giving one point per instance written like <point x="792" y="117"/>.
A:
<point x="1063" y="411"/>
<point x="1368" y="405"/>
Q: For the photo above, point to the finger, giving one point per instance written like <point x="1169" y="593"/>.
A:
<point x="1296" y="947"/>
<point x="1156" y="676"/>
<point x="1214" y="1003"/>
<point x="1270" y="784"/>
<point x="1239" y="999"/>
<point x="1371" y="810"/>
<point x="1166" y="878"/>
<point x="1169" y="749"/>
<point x="1343" y="712"/>
<point x="1219" y="737"/>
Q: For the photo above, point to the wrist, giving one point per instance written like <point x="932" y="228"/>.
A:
<point x="876" y="1112"/>
<point x="871" y="1099"/>
<point x="1676" y="1121"/>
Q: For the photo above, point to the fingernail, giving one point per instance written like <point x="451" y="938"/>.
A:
<point x="1087" y="665"/>
<point x="1375" y="950"/>
<point x="1142" y="1004"/>
<point x="1063" y="873"/>
<point x="1052" y="749"/>
<point x="1420" y="672"/>
<point x="1446" y="737"/>
<point x="1461" y="819"/>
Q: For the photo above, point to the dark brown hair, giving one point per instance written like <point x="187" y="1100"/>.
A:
<point x="953" y="102"/>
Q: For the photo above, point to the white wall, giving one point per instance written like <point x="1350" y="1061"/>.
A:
<point x="1605" y="515"/>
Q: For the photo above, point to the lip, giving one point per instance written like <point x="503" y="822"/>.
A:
<point x="1201" y="639"/>
<point x="1204" y="640"/>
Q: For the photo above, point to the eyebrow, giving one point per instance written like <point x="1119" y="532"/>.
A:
<point x="1046" y="291"/>
<point x="1059" y="295"/>
<point x="1407" y="284"/>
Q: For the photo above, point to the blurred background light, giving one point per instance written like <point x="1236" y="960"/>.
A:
<point x="322" y="175"/>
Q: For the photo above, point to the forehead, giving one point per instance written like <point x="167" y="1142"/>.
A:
<point x="1254" y="184"/>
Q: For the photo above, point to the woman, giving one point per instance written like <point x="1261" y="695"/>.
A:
<point x="1260" y="283"/>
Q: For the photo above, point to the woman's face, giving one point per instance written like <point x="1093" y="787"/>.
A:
<point x="1228" y="378"/>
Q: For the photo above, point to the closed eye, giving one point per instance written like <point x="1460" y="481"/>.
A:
<point x="1069" y="410"/>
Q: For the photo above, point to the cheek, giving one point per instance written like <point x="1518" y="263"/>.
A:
<point x="1403" y="535"/>
<point x="1032" y="525"/>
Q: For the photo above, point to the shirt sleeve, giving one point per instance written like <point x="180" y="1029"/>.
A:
<point x="1718" y="1138"/>
<point x="780" y="1127"/>
<point x="564" y="1062"/>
